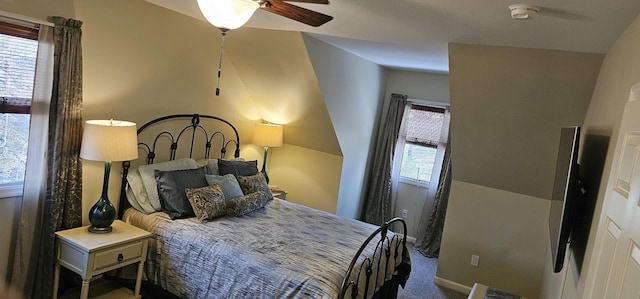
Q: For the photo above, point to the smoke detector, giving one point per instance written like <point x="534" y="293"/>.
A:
<point x="522" y="11"/>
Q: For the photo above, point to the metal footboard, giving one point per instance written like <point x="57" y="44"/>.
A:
<point x="387" y="252"/>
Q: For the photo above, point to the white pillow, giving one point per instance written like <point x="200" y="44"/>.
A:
<point x="131" y="198"/>
<point x="137" y="193"/>
<point x="147" y="172"/>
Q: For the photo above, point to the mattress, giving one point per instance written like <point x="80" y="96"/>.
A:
<point x="284" y="250"/>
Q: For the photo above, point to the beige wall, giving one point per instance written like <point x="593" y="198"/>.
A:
<point x="507" y="107"/>
<point x="619" y="72"/>
<point x="39" y="9"/>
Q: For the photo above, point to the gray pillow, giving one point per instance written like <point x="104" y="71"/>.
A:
<point x="238" y="168"/>
<point x="247" y="204"/>
<point x="149" y="178"/>
<point x="228" y="183"/>
<point x="171" y="190"/>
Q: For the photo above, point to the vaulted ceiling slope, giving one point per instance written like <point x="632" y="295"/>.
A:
<point x="276" y="72"/>
<point x="413" y="34"/>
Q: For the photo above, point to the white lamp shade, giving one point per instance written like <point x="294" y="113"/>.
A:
<point x="269" y="135"/>
<point x="228" y="14"/>
<point x="109" y="140"/>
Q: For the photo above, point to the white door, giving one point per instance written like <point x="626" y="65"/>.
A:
<point x="617" y="247"/>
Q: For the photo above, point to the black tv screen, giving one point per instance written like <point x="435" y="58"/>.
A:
<point x="564" y="197"/>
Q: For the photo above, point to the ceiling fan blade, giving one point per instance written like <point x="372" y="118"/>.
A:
<point x="297" y="13"/>
<point x="310" y="1"/>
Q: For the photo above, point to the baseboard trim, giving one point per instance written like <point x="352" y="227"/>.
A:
<point x="451" y="285"/>
<point x="411" y="239"/>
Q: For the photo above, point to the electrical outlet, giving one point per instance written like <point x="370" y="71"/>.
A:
<point x="404" y="213"/>
<point x="475" y="260"/>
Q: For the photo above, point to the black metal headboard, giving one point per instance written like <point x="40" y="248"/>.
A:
<point x="169" y="135"/>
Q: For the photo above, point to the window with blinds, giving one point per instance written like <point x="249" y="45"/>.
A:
<point x="18" y="51"/>
<point x="423" y="129"/>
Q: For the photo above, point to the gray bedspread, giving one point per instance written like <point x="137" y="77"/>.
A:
<point x="284" y="250"/>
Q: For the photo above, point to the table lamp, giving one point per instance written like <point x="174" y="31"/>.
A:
<point x="267" y="135"/>
<point x="107" y="140"/>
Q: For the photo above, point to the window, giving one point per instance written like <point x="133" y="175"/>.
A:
<point x="18" y="51"/>
<point x="423" y="129"/>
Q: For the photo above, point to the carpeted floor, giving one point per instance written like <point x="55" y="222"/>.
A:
<point x="420" y="284"/>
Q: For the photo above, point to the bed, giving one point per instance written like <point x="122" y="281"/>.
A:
<point x="272" y="249"/>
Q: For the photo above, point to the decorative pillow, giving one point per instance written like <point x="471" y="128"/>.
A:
<point x="149" y="178"/>
<point x="254" y="183"/>
<point x="228" y="183"/>
<point x="171" y="186"/>
<point x="247" y="204"/>
<point x="207" y="202"/>
<point x="136" y="194"/>
<point x="238" y="168"/>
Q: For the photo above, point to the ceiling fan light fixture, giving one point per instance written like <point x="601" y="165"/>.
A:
<point x="228" y="14"/>
<point x="522" y="11"/>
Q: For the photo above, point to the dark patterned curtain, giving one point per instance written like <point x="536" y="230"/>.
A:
<point x="63" y="199"/>
<point x="377" y="205"/>
<point x="428" y="241"/>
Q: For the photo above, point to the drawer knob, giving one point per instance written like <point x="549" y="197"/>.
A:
<point x="120" y="257"/>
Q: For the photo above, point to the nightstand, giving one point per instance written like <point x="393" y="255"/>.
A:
<point x="90" y="254"/>
<point x="279" y="193"/>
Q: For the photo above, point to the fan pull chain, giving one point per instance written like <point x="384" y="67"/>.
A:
<point x="220" y="63"/>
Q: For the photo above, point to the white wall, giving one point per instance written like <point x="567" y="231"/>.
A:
<point x="353" y="89"/>
<point x="620" y="70"/>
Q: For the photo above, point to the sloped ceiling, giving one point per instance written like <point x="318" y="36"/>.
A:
<point x="277" y="73"/>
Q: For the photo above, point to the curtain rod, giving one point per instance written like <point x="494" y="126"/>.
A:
<point x="7" y="16"/>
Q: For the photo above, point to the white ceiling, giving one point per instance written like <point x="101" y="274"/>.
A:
<point x="413" y="34"/>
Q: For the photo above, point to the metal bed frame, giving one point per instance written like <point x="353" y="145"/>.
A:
<point x="197" y="130"/>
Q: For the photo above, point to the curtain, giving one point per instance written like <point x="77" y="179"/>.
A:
<point x="59" y="190"/>
<point x="27" y="241"/>
<point x="430" y="231"/>
<point x="378" y="206"/>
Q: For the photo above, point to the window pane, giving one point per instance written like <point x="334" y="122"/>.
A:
<point x="17" y="65"/>
<point x="14" y="137"/>
<point x="424" y="126"/>
<point x="17" y="70"/>
<point x="417" y="162"/>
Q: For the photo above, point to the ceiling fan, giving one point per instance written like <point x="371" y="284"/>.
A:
<point x="231" y="14"/>
<point x="300" y="14"/>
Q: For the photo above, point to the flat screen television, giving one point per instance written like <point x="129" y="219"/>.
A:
<point x="565" y="197"/>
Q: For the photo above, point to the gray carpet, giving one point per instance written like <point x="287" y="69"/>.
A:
<point x="420" y="284"/>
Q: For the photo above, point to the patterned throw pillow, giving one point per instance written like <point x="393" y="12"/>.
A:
<point x="247" y="204"/>
<point x="207" y="202"/>
<point x="254" y="183"/>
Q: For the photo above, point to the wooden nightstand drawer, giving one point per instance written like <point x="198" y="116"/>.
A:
<point x="110" y="257"/>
